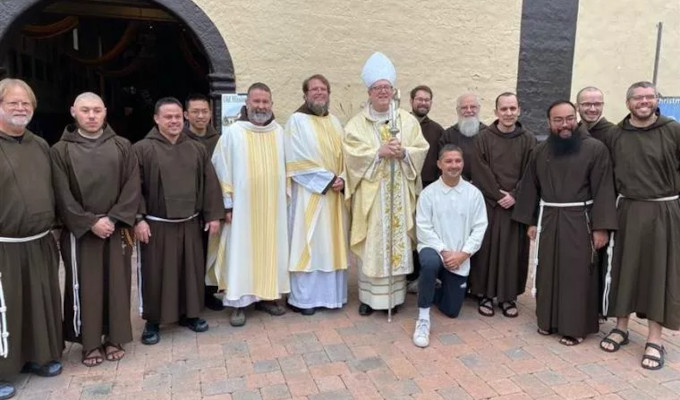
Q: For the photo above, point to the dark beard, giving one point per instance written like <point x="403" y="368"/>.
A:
<point x="561" y="147"/>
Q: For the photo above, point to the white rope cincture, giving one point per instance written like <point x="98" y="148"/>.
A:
<point x="610" y="253"/>
<point x="174" y="221"/>
<point x="4" y="329"/>
<point x="4" y="334"/>
<point x="539" y="227"/>
<point x="139" y="277"/>
<point x="76" y="286"/>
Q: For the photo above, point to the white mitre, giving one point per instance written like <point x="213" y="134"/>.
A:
<point x="378" y="67"/>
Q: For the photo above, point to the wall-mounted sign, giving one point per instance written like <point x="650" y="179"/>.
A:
<point x="231" y="107"/>
<point x="670" y="107"/>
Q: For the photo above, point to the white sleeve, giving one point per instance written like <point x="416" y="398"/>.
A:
<point x="427" y="237"/>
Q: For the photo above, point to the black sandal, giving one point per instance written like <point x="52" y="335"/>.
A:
<point x="659" y="360"/>
<point x="485" y="303"/>
<point x="506" y="306"/>
<point x="617" y="345"/>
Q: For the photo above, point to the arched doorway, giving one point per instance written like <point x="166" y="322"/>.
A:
<point x="130" y="51"/>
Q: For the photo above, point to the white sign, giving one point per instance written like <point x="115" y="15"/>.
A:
<point x="231" y="107"/>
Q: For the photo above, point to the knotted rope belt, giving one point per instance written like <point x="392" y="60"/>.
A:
<point x="4" y="333"/>
<point x="539" y="227"/>
<point x="610" y="251"/>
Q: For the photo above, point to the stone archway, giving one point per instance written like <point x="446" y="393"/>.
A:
<point x="221" y="76"/>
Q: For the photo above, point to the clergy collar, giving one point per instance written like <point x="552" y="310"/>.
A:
<point x="247" y="125"/>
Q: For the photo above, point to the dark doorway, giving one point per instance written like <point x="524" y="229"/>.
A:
<point x="131" y="52"/>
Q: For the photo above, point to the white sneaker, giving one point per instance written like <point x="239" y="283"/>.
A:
<point x="421" y="336"/>
<point x="412" y="287"/>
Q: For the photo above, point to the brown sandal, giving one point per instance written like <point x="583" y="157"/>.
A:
<point x="93" y="357"/>
<point x="113" y="352"/>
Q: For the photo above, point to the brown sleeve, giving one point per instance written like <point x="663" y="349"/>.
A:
<point x="482" y="176"/>
<point x="213" y="207"/>
<point x="138" y="151"/>
<point x="71" y="213"/>
<point x="527" y="195"/>
<point x="604" y="196"/>
<point x="127" y="204"/>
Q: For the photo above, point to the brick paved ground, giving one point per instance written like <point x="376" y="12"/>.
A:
<point x="341" y="355"/>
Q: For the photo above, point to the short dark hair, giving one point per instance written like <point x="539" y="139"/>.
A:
<point x="558" y="103"/>
<point x="259" y="86"/>
<point x="418" y="88"/>
<point x="305" y="83"/>
<point x="449" y="147"/>
<point x="505" y="94"/>
<point x="165" y="101"/>
<point x="195" y="97"/>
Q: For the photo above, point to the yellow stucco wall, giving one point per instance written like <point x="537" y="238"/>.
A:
<point x="452" y="46"/>
<point x="615" y="46"/>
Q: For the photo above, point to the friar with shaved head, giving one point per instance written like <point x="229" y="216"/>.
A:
<point x="96" y="184"/>
<point x="590" y="101"/>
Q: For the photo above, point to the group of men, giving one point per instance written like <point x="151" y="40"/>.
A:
<point x="265" y="210"/>
<point x="591" y="183"/>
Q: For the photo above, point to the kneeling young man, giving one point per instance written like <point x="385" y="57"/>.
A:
<point x="450" y="225"/>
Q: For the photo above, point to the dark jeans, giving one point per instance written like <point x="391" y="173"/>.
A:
<point x="449" y="297"/>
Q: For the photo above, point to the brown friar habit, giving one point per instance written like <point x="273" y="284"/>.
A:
<point x="567" y="293"/>
<point x="599" y="129"/>
<point x="432" y="132"/>
<point x="178" y="182"/>
<point x="646" y="262"/>
<point x="453" y="136"/>
<point x="209" y="140"/>
<point x="30" y="270"/>
<point x="500" y="266"/>
<point x="94" y="178"/>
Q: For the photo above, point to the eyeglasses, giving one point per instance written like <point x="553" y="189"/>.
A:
<point x="199" y="112"/>
<point x="597" y="104"/>
<point x="648" y="97"/>
<point x="318" y="89"/>
<point x="559" y="120"/>
<point x="382" y="88"/>
<point x="13" y="105"/>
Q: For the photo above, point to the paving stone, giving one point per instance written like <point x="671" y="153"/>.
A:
<point x="338" y="352"/>
<point x="335" y="395"/>
<point x="367" y="364"/>
<point x="266" y="366"/>
<point x="449" y="339"/>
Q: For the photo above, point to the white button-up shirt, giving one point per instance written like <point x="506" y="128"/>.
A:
<point x="451" y="218"/>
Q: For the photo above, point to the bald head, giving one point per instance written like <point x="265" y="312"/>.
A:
<point x="89" y="113"/>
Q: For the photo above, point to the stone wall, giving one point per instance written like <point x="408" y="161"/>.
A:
<point x="453" y="46"/>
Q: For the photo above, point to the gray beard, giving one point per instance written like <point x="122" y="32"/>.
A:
<point x="469" y="126"/>
<point x="319" y="109"/>
<point x="259" y="117"/>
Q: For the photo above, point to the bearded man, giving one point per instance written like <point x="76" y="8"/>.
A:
<point x="645" y="272"/>
<point x="318" y="216"/>
<point x="30" y="310"/>
<point x="249" y="262"/>
<point x="566" y="196"/>
<point x="464" y="132"/>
